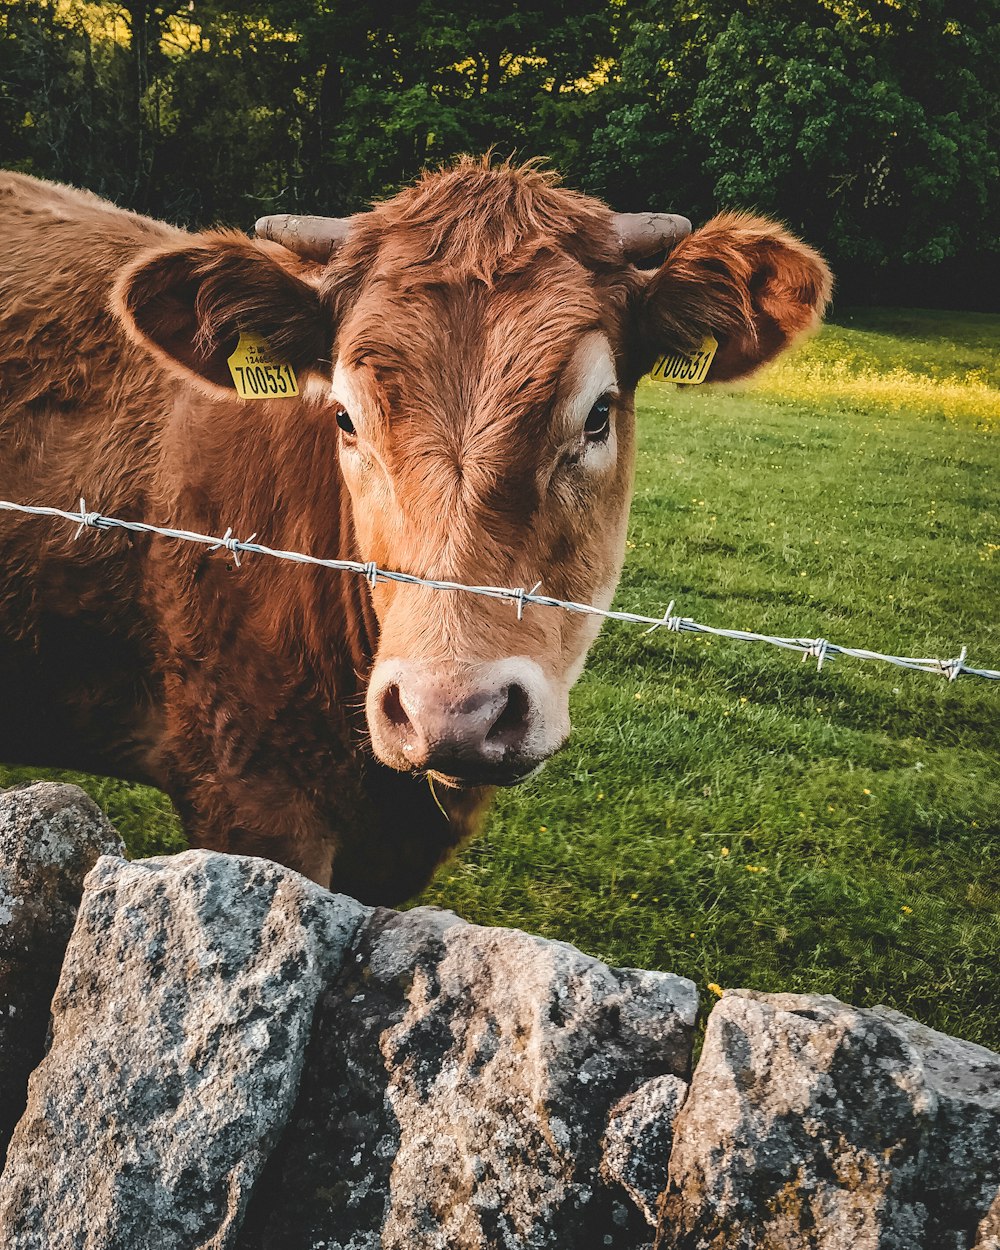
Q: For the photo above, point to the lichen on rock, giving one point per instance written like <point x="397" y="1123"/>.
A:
<point x="50" y="837"/>
<point x="812" y="1124"/>
<point x="457" y="1091"/>
<point x="179" y="1027"/>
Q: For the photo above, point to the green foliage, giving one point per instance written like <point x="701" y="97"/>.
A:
<point x="722" y="810"/>
<point x="874" y="129"/>
<point x="869" y="133"/>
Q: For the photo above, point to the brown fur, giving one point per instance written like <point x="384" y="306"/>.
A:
<point x="745" y="280"/>
<point x="240" y="691"/>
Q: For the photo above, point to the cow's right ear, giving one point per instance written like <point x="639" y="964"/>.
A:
<point x="188" y="305"/>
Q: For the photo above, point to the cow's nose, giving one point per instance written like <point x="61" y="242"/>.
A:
<point x="473" y="729"/>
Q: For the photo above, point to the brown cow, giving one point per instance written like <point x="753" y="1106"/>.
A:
<point x="467" y="361"/>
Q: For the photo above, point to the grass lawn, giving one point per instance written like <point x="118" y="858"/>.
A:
<point x="724" y="811"/>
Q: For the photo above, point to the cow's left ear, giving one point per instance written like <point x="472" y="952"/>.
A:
<point x="189" y="303"/>
<point x="746" y="281"/>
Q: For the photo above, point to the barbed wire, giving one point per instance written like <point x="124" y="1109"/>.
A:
<point x="819" y="648"/>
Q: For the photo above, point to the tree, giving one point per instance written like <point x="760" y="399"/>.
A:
<point x="875" y="135"/>
<point x="871" y="126"/>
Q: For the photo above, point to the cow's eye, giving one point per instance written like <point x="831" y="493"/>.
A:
<point x="598" y="421"/>
<point x="344" y="421"/>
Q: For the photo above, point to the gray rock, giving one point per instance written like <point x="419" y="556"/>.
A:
<point x="638" y="1140"/>
<point x="457" y="1091"/>
<point x="50" y="837"/>
<point x="179" y="1028"/>
<point x="813" y="1124"/>
<point x="961" y="1163"/>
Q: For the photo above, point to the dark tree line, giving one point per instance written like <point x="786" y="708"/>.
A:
<point x="872" y="128"/>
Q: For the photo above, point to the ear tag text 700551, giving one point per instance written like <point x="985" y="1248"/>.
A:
<point x="258" y="373"/>
<point x="684" y="369"/>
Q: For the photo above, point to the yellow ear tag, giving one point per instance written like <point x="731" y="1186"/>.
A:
<point x="683" y="369"/>
<point x="257" y="373"/>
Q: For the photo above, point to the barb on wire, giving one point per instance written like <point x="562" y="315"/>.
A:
<point x="819" y="648"/>
<point x="231" y="544"/>
<point x="88" y="520"/>
<point x="670" y="623"/>
<point x="953" y="668"/>
<point x="818" y="651"/>
<point x="521" y="596"/>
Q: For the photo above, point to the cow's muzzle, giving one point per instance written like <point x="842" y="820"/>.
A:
<point x="466" y="724"/>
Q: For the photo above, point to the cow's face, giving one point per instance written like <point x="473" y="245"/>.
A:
<point x="476" y="344"/>
<point x="486" y="438"/>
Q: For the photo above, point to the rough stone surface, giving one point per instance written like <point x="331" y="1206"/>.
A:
<point x="814" y="1124"/>
<point x="989" y="1229"/>
<point x="179" y="1026"/>
<point x="457" y="1090"/>
<point x="50" y="837"/>
<point x="242" y="1060"/>
<point x="638" y="1140"/>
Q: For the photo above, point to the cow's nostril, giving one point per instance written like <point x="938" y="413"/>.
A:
<point x="509" y="727"/>
<point x="392" y="706"/>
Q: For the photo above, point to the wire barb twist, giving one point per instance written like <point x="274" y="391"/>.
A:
<point x="670" y="623"/>
<point x="88" y="520"/>
<point x="521" y="596"/>
<point x="819" y="648"/>
<point x="954" y="668"/>
<point x="233" y="545"/>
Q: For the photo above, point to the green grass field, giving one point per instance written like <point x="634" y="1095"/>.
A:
<point x="723" y="810"/>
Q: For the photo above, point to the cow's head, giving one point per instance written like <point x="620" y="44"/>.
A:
<point x="476" y="342"/>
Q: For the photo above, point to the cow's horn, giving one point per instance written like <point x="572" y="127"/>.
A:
<point x="313" y="238"/>
<point x="645" y="234"/>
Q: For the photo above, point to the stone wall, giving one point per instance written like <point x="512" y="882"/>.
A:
<point x="238" y="1058"/>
